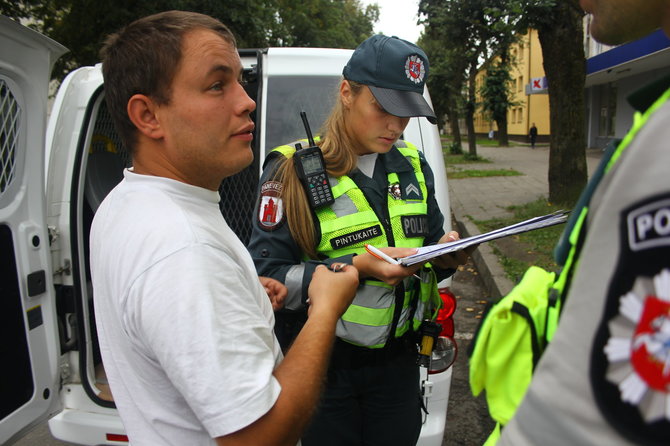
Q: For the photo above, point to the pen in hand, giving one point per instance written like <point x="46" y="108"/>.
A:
<point x="383" y="256"/>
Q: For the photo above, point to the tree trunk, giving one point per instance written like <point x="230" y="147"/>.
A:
<point x="564" y="66"/>
<point x="470" y="112"/>
<point x="452" y="114"/>
<point x="503" y="137"/>
<point x="501" y="120"/>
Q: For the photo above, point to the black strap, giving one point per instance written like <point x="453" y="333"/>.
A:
<point x="522" y="311"/>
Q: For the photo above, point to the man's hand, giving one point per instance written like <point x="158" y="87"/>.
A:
<point x="453" y="259"/>
<point x="276" y="290"/>
<point x="332" y="292"/>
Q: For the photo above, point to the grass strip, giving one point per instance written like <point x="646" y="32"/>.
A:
<point x="474" y="173"/>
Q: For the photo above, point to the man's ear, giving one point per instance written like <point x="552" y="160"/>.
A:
<point x="142" y="113"/>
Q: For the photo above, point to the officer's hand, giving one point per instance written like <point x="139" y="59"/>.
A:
<point x="453" y="259"/>
<point x="371" y="266"/>
<point x="332" y="292"/>
<point x="276" y="290"/>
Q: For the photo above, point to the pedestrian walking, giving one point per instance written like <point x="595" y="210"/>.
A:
<point x="532" y="134"/>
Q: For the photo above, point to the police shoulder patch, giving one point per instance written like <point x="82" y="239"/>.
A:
<point x="270" y="211"/>
<point x="630" y="361"/>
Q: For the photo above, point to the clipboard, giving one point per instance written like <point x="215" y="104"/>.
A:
<point x="426" y="253"/>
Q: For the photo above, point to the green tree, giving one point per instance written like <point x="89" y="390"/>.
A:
<point x="496" y="96"/>
<point x="507" y="24"/>
<point x="472" y="31"/>
<point x="82" y="25"/>
<point x="458" y="26"/>
<point x="467" y="23"/>
<point x="445" y="82"/>
<point x="326" y="24"/>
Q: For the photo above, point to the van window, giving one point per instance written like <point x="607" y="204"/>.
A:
<point x="287" y="97"/>
<point x="17" y="386"/>
<point x="17" y="377"/>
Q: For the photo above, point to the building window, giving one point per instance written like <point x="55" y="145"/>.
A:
<point x="611" y="127"/>
<point x="607" y="119"/>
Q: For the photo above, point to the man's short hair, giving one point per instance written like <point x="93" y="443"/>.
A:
<point x="142" y="58"/>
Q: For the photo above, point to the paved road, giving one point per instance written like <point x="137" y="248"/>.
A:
<point x="468" y="420"/>
<point x="40" y="436"/>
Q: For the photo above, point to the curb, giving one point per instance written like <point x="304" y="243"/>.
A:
<point x="490" y="270"/>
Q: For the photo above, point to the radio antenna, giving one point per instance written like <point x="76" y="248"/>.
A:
<point x="303" y="115"/>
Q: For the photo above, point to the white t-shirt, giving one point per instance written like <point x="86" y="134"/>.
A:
<point x="185" y="327"/>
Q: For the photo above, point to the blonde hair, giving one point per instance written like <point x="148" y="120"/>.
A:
<point x="340" y="159"/>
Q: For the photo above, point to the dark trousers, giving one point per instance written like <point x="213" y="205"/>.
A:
<point x="371" y="398"/>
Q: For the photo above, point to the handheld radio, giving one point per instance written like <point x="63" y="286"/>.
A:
<point x="311" y="170"/>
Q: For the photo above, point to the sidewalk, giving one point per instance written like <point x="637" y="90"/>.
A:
<point x="486" y="198"/>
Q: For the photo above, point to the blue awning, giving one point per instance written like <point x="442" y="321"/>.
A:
<point x="650" y="44"/>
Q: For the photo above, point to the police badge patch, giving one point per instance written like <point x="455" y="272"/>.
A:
<point x="630" y="362"/>
<point x="270" y="207"/>
<point x="394" y="191"/>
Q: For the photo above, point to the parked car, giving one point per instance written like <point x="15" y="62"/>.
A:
<point x="54" y="177"/>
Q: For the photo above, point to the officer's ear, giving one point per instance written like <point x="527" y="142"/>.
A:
<point x="346" y="94"/>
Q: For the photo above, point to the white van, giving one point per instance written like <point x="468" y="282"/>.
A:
<point x="52" y="179"/>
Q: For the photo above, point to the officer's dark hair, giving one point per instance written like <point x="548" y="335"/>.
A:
<point x="143" y="58"/>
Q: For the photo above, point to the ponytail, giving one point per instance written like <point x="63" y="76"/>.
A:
<point x="340" y="160"/>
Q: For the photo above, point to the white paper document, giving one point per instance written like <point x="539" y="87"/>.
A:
<point x="426" y="253"/>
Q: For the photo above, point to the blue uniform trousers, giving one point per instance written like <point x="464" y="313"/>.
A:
<point x="371" y="398"/>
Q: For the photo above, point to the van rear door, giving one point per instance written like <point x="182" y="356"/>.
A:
<point x="29" y="382"/>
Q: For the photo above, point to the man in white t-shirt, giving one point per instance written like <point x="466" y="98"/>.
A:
<point x="185" y="326"/>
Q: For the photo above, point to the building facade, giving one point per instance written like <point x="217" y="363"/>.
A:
<point x="612" y="74"/>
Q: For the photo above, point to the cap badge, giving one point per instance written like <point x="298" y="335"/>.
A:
<point x="415" y="69"/>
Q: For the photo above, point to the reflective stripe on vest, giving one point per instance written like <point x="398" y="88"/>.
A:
<point x="367" y="322"/>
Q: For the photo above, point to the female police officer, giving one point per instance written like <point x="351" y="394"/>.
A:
<point x="382" y="195"/>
